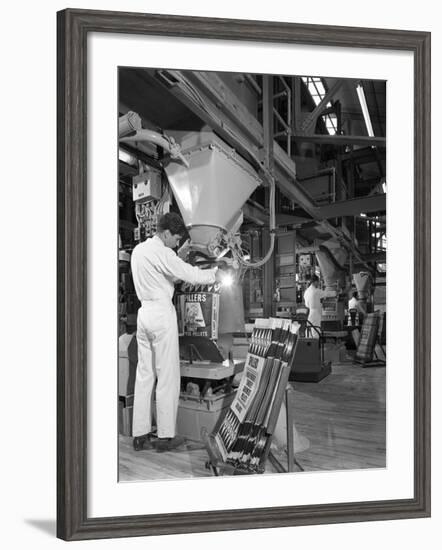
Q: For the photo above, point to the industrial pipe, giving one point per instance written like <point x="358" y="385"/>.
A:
<point x="272" y="226"/>
<point x="130" y="122"/>
<point x="167" y="143"/>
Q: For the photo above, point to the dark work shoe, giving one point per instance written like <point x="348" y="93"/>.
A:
<point x="164" y="444"/>
<point x="143" y="442"/>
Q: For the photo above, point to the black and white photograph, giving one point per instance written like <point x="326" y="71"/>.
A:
<point x="252" y="254"/>
<point x="220" y="237"/>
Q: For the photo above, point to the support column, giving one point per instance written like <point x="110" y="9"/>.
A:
<point x="268" y="161"/>
<point x="268" y="277"/>
<point x="297" y="117"/>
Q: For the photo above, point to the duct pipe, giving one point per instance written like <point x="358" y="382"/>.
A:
<point x="268" y="165"/>
<point x="130" y="122"/>
<point x="167" y="143"/>
<point x="272" y="225"/>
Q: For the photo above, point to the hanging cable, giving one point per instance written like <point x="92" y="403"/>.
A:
<point x="272" y="229"/>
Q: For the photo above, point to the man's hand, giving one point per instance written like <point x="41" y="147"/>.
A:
<point x="218" y="275"/>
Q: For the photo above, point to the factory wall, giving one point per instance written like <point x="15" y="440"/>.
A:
<point x="29" y="308"/>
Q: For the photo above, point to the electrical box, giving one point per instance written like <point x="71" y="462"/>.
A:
<point x="305" y="260"/>
<point x="146" y="186"/>
<point x="332" y="313"/>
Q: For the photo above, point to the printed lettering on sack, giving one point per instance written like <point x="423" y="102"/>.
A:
<point x="198" y="314"/>
<point x="248" y="385"/>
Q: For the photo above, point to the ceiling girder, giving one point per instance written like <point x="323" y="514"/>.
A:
<point x="340" y="140"/>
<point x="380" y="257"/>
<point x="312" y="117"/>
<point x="354" y="207"/>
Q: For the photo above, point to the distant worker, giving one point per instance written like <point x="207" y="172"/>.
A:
<point x="312" y="299"/>
<point x="155" y="269"/>
<point x="355" y="305"/>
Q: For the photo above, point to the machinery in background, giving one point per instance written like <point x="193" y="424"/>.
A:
<point x="364" y="286"/>
<point x="331" y="258"/>
<point x="151" y="201"/>
<point x="370" y="351"/>
<point x="210" y="184"/>
<point x="305" y="266"/>
<point x="210" y="192"/>
<point x="363" y="283"/>
<point x="128" y="302"/>
<point x="127" y="369"/>
<point x="314" y="352"/>
<point x="308" y="362"/>
<point x="150" y="191"/>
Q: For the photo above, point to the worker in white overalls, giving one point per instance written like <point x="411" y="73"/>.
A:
<point x="312" y="299"/>
<point x="155" y="269"/>
<point x="355" y="304"/>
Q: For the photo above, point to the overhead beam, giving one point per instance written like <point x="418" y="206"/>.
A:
<point x="261" y="217"/>
<point x="353" y="207"/>
<point x="256" y="215"/>
<point x="267" y="108"/>
<point x="311" y="118"/>
<point x="363" y="156"/>
<point x="268" y="237"/>
<point x="380" y="257"/>
<point x="290" y="219"/>
<point x="296" y="92"/>
<point x="340" y="140"/>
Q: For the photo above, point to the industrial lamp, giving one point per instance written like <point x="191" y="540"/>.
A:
<point x="363" y="102"/>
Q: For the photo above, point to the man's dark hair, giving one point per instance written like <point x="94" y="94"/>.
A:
<point x="355" y="294"/>
<point x="314" y="279"/>
<point x="173" y="222"/>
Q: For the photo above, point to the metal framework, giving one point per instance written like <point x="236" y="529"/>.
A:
<point x="206" y="95"/>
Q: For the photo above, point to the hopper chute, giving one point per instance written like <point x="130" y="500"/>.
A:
<point x="363" y="282"/>
<point x="211" y="191"/>
<point x="331" y="259"/>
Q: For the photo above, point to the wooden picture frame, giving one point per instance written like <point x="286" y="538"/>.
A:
<point x="73" y="29"/>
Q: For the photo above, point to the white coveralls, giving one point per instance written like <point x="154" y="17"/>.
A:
<point x="312" y="299"/>
<point x="155" y="267"/>
<point x="353" y="303"/>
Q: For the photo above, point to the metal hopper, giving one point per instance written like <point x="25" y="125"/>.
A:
<point x="363" y="282"/>
<point x="331" y="260"/>
<point x="211" y="192"/>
